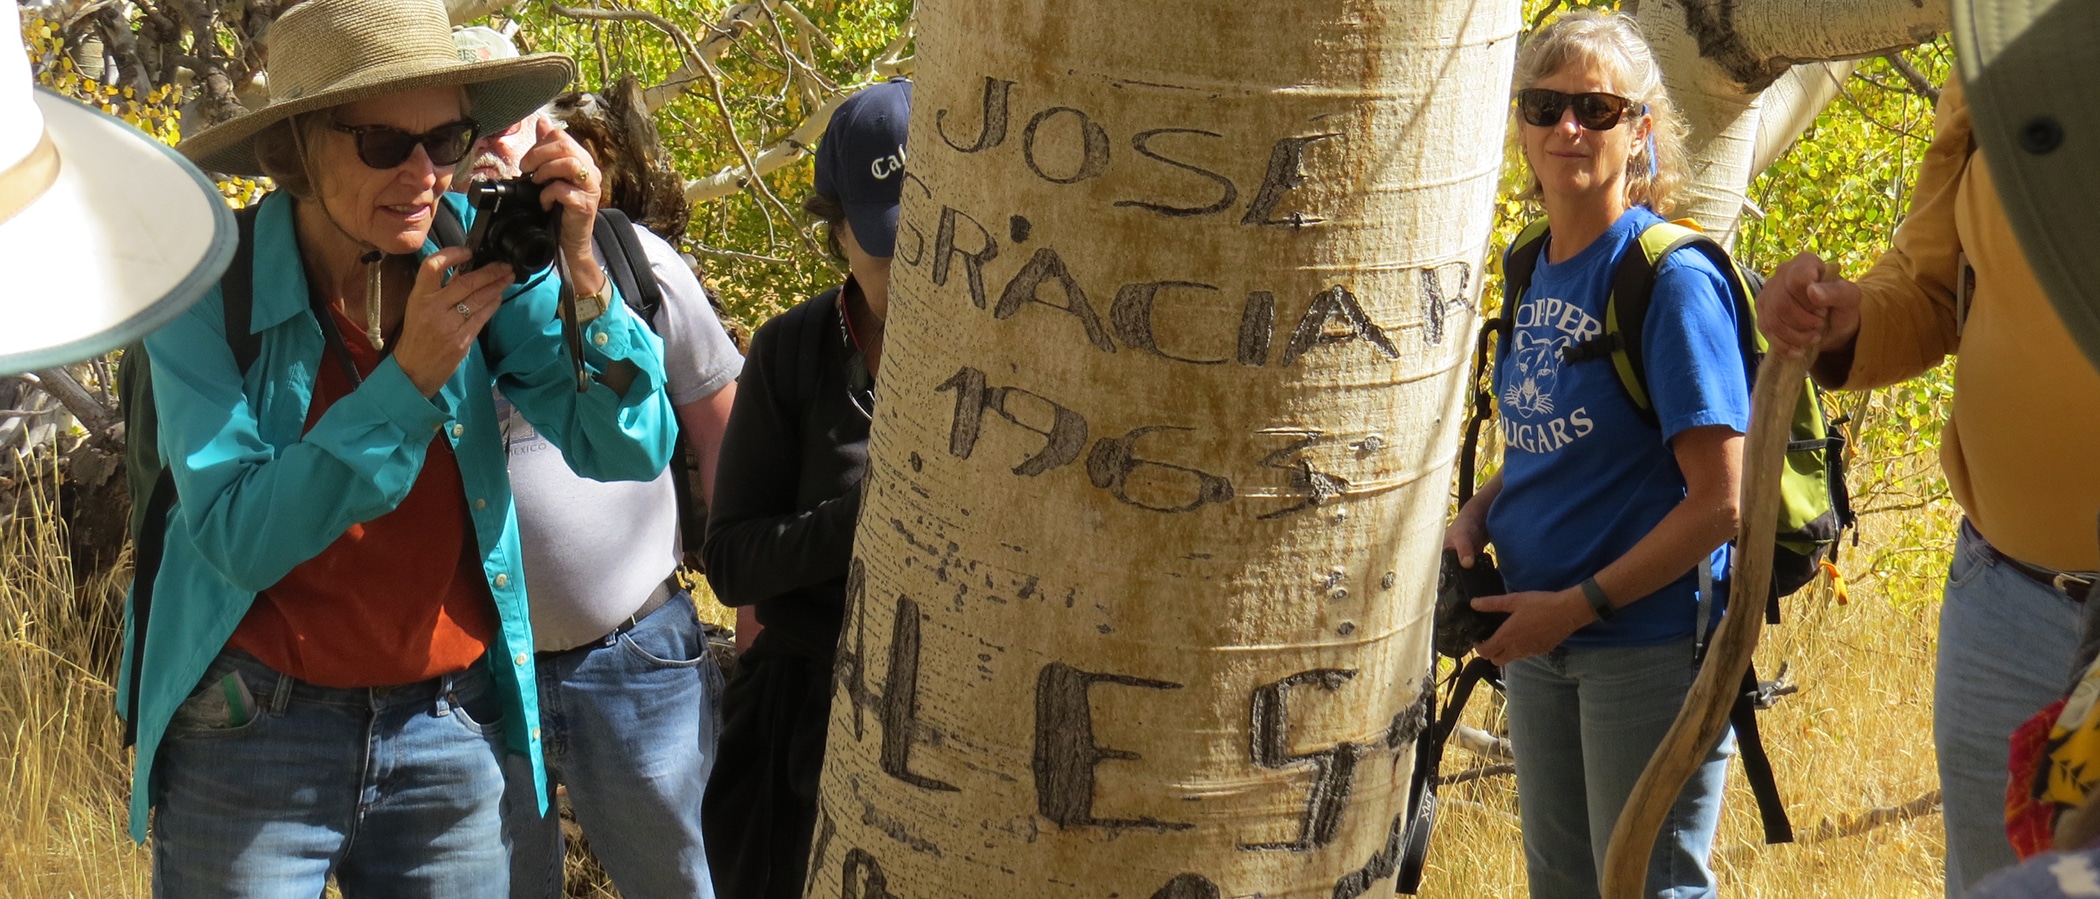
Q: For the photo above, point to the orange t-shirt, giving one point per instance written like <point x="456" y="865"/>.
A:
<point x="2018" y="450"/>
<point x="394" y="600"/>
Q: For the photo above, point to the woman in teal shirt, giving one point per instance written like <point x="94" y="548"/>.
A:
<point x="338" y="651"/>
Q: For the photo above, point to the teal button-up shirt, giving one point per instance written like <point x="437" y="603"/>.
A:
<point x="260" y="494"/>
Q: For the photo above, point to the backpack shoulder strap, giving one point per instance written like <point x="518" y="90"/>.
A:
<point x="149" y="526"/>
<point x="628" y="264"/>
<point x="237" y="293"/>
<point x="1633" y="291"/>
<point x="1518" y="265"/>
<point x="450" y="231"/>
<point x="1757" y="765"/>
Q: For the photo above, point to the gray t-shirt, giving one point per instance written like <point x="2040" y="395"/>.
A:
<point x="595" y="550"/>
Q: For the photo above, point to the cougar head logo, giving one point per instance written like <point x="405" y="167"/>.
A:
<point x="1534" y="368"/>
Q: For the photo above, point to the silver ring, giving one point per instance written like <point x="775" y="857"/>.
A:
<point x="464" y="310"/>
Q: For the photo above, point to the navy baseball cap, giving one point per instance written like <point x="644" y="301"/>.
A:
<point x="860" y="162"/>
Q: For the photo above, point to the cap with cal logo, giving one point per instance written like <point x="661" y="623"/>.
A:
<point x="860" y="162"/>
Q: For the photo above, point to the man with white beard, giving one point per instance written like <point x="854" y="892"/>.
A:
<point x="627" y="688"/>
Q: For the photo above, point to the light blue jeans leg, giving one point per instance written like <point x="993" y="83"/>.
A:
<point x="2006" y="645"/>
<point x="395" y="792"/>
<point x="629" y="725"/>
<point x="1583" y="723"/>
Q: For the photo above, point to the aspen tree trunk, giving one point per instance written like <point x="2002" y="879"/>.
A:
<point x="1180" y="314"/>
<point x="1719" y="58"/>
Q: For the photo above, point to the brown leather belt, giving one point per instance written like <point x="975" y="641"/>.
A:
<point x="656" y="600"/>
<point x="2075" y="585"/>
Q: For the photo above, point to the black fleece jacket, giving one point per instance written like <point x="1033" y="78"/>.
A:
<point x="787" y="488"/>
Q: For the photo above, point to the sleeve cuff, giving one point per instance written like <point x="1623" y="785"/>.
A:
<point x="397" y="399"/>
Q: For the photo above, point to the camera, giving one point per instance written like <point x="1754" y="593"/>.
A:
<point x="1459" y="626"/>
<point x="510" y="226"/>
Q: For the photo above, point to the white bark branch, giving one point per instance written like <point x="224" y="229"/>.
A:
<point x="1721" y="60"/>
<point x="102" y="424"/>
<point x="1791" y="104"/>
<point x="705" y="52"/>
<point x="802" y="141"/>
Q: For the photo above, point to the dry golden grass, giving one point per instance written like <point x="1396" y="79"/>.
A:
<point x="1856" y="738"/>
<point x="64" y="775"/>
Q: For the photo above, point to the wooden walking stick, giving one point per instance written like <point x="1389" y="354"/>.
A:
<point x="1705" y="711"/>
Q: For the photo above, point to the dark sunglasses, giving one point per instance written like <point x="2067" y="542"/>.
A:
<point x="384" y="146"/>
<point x="1595" y="110"/>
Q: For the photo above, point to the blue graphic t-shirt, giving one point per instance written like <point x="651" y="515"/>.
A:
<point x="1583" y="477"/>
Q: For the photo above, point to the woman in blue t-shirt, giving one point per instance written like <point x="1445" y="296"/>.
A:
<point x="1603" y="522"/>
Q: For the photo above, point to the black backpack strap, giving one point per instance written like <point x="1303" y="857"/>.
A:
<point x="237" y="298"/>
<point x="1633" y="292"/>
<point x="1483" y="403"/>
<point x="147" y="551"/>
<point x="237" y="292"/>
<point x="1757" y="765"/>
<point x="628" y="264"/>
<point x="450" y="231"/>
<point x="1518" y="264"/>
<point x="1429" y="756"/>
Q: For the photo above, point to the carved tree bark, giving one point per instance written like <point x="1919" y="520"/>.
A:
<point x="1180" y="310"/>
<point x="1731" y="68"/>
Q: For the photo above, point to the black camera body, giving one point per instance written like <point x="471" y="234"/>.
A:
<point x="510" y="226"/>
<point x="1458" y="625"/>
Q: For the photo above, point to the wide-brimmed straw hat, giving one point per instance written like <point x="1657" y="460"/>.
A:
<point x="325" y="53"/>
<point x="2031" y="69"/>
<point x="105" y="233"/>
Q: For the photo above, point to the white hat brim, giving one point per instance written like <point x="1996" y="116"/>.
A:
<point x="127" y="238"/>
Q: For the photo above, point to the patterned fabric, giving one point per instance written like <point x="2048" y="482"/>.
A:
<point x="2055" y="765"/>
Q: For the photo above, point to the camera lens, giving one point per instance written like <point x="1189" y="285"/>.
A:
<point x="526" y="246"/>
<point x="512" y="228"/>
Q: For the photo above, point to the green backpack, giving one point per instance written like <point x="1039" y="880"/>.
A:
<point x="1817" y="507"/>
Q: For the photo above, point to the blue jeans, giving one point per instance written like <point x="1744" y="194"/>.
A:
<point x="268" y="785"/>
<point x="1583" y="723"/>
<point x="629" y="725"/>
<point x="2006" y="645"/>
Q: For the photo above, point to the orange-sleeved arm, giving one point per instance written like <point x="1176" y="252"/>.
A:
<point x="1907" y="309"/>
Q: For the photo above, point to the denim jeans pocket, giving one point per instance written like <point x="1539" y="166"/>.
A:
<point x="478" y="708"/>
<point x="671" y="638"/>
<point x="222" y="705"/>
<point x="1971" y="558"/>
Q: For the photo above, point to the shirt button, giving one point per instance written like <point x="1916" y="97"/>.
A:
<point x="459" y="430"/>
<point x="502" y="580"/>
<point x="535" y="733"/>
<point x="480" y="504"/>
<point x="521" y="659"/>
<point x="600" y="338"/>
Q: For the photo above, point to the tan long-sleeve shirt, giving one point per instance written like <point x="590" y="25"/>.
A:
<point x="2019" y="451"/>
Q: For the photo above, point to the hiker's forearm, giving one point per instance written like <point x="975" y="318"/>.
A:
<point x="1711" y="458"/>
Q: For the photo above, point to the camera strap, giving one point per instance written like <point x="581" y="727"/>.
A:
<point x="571" y="332"/>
